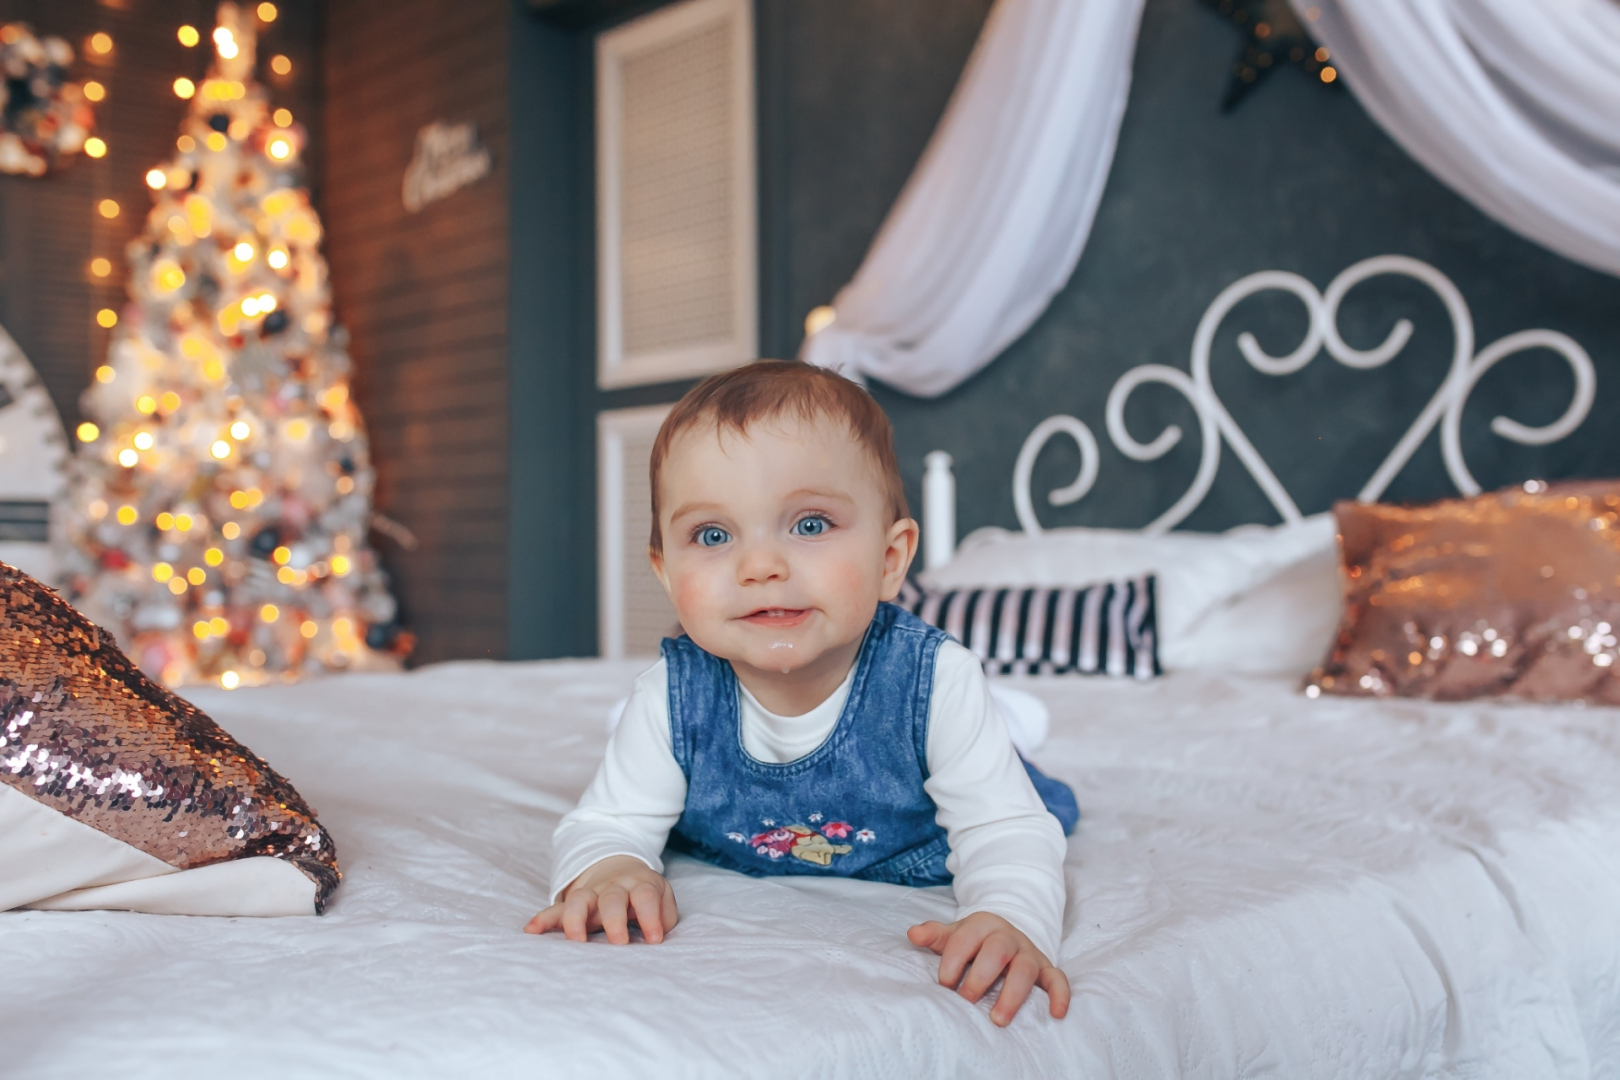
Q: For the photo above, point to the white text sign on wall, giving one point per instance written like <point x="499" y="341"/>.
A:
<point x="448" y="157"/>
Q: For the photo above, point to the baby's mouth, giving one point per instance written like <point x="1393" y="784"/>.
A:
<point x="777" y="618"/>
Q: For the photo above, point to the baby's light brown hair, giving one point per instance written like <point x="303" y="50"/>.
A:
<point x="767" y="389"/>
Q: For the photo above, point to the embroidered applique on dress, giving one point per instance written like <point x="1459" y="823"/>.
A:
<point x="813" y="845"/>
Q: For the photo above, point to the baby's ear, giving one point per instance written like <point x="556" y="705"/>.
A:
<point x="898" y="555"/>
<point x="655" y="559"/>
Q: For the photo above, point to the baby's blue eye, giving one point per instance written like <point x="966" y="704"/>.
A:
<point x="810" y="526"/>
<point x="712" y="536"/>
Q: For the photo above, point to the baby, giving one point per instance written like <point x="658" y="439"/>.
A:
<point x="802" y="725"/>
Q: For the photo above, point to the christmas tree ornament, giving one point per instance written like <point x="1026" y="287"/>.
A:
<point x="45" y="117"/>
<point x="33" y="463"/>
<point x="1273" y="37"/>
<point x="221" y="495"/>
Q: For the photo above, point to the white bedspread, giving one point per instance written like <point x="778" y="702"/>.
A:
<point x="1262" y="886"/>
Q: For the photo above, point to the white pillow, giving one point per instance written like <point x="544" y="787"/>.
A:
<point x="1256" y="598"/>
<point x="1283" y="626"/>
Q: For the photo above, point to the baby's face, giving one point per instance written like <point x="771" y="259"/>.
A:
<point x="777" y="543"/>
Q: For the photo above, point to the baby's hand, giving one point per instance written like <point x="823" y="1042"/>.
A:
<point x="999" y="947"/>
<point x="603" y="898"/>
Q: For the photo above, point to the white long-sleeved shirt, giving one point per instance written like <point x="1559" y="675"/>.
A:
<point x="1006" y="849"/>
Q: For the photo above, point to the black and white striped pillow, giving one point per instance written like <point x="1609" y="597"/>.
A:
<point x="1109" y="628"/>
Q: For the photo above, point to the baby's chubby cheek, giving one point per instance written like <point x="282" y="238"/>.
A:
<point x="698" y="600"/>
<point x="846" y="591"/>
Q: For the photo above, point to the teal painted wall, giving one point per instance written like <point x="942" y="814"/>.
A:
<point x="551" y="606"/>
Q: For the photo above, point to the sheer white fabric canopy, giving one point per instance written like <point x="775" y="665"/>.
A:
<point x="992" y="221"/>
<point x="1514" y="104"/>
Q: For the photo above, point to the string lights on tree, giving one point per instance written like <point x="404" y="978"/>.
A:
<point x="221" y="496"/>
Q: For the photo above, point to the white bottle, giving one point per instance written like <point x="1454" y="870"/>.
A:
<point x="939" y="510"/>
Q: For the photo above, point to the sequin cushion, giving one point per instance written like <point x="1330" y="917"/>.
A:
<point x="1513" y="594"/>
<point x="85" y="734"/>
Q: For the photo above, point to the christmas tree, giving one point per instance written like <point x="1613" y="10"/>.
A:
<point x="221" y="496"/>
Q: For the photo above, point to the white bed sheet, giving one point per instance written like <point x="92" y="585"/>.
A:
<point x="1262" y="886"/>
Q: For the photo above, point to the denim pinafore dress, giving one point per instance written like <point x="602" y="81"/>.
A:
<point x="854" y="806"/>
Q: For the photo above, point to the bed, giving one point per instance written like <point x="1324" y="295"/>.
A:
<point x="1263" y="885"/>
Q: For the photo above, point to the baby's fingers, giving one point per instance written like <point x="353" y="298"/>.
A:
<point x="992" y="959"/>
<point x="1056" y="985"/>
<point x="612" y="907"/>
<point x="545" y="922"/>
<point x="577" y="912"/>
<point x="1015" y="991"/>
<point x="649" y="915"/>
<point x="929" y="935"/>
<point x="667" y="907"/>
<point x="961" y="947"/>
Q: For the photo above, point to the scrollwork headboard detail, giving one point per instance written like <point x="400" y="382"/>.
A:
<point x="1216" y="424"/>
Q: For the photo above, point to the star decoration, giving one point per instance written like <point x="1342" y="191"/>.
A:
<point x="1272" y="36"/>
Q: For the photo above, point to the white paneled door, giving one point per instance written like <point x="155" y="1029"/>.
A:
<point x="634" y="614"/>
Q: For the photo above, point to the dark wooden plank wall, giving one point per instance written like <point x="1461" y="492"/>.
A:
<point x="425" y="299"/>
<point x="49" y="227"/>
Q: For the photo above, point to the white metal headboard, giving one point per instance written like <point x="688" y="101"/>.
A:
<point x="1216" y="424"/>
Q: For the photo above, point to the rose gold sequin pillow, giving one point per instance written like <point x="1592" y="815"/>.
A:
<point x="89" y="738"/>
<point x="1513" y="594"/>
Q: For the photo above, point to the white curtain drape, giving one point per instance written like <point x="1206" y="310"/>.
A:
<point x="995" y="215"/>
<point x="1515" y="104"/>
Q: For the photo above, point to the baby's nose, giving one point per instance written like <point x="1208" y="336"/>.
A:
<point x="762" y="562"/>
